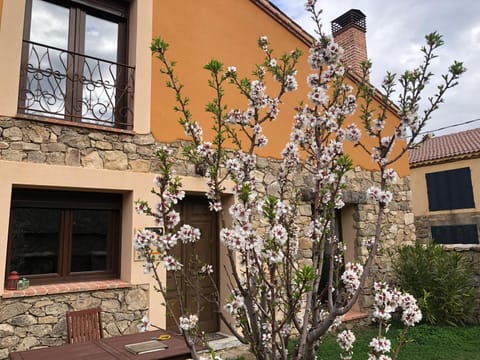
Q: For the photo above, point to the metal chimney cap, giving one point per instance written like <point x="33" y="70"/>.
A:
<point x="351" y="17"/>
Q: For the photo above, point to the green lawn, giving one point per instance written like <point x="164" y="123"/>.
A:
<point x="429" y="343"/>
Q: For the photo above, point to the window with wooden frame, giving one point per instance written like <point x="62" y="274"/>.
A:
<point x="64" y="236"/>
<point x="74" y="62"/>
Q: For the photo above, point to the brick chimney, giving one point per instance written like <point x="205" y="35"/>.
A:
<point x="349" y="32"/>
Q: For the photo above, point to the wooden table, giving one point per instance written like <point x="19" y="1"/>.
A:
<point x="109" y="348"/>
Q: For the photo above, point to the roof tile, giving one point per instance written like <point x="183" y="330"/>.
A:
<point x="447" y="146"/>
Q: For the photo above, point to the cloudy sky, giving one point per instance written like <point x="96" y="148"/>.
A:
<point x="395" y="33"/>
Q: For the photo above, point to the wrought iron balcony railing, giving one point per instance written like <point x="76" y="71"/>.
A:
<point x="75" y="87"/>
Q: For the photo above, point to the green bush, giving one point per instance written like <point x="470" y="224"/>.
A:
<point x="440" y="280"/>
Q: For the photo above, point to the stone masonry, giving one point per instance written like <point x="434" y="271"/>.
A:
<point x="39" y="321"/>
<point x="50" y="143"/>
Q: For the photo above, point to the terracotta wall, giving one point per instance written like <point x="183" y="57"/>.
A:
<point x="228" y="31"/>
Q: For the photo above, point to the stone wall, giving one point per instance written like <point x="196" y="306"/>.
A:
<point x="37" y="142"/>
<point x="39" y="321"/>
<point x="424" y="223"/>
<point x="398" y="225"/>
<point x="49" y="143"/>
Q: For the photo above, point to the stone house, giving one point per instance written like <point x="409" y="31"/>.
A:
<point x="82" y="107"/>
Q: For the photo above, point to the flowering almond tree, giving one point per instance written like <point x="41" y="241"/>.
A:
<point x="275" y="296"/>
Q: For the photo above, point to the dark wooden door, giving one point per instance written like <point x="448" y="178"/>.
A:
<point x="194" y="211"/>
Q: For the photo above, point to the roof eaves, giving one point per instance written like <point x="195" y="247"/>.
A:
<point x="285" y="21"/>
<point x="295" y="29"/>
<point x="445" y="159"/>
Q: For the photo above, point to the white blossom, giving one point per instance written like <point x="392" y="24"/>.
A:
<point x="411" y="312"/>
<point x="171" y="264"/>
<point x="188" y="234"/>
<point x="215" y="206"/>
<point x="263" y="42"/>
<point x="147" y="267"/>
<point x="258" y="99"/>
<point x="206" y="269"/>
<point x="279" y="234"/>
<point x="310" y="5"/>
<point x="380" y="345"/>
<point x="351" y="277"/>
<point x="378" y="124"/>
<point x="290" y="83"/>
<point x="188" y="323"/>
<point x="313" y="80"/>
<point x="345" y="340"/>
<point x="172" y="219"/>
<point x="352" y="133"/>
<point x="379" y="195"/>
<point x="235" y="305"/>
<point x="318" y="96"/>
<point x="144" y="324"/>
<point x="390" y="175"/>
<point x="194" y="129"/>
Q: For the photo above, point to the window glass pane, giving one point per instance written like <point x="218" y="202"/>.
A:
<point x="35" y="240"/>
<point x="99" y="88"/>
<point x="91" y="238"/>
<point x="49" y="24"/>
<point x="101" y="38"/>
<point x="47" y="67"/>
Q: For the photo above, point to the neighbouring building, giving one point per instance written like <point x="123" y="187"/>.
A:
<point x="445" y="181"/>
<point x="82" y="107"/>
<point x="445" y="175"/>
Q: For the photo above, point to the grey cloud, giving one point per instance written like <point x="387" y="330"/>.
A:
<point x="395" y="32"/>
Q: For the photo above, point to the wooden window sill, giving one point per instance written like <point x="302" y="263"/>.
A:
<point x="66" y="288"/>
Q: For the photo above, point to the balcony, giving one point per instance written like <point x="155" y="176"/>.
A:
<point x="62" y="84"/>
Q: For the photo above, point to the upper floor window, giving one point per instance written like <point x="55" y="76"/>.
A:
<point x="58" y="236"/>
<point x="448" y="190"/>
<point x="73" y="62"/>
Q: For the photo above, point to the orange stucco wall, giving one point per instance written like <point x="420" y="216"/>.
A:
<point x="1" y="7"/>
<point x="226" y="30"/>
